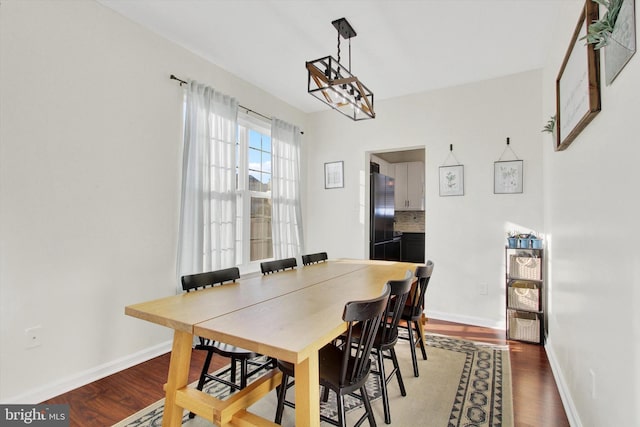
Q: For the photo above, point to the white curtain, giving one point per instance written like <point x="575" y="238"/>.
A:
<point x="286" y="215"/>
<point x="208" y="210"/>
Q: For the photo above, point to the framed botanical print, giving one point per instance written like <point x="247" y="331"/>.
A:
<point x="452" y="180"/>
<point x="507" y="177"/>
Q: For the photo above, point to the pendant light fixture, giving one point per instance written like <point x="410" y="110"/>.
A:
<point x="333" y="83"/>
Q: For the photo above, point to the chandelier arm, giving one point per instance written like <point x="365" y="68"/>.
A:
<point x="344" y="81"/>
<point x="364" y="97"/>
<point x="317" y="73"/>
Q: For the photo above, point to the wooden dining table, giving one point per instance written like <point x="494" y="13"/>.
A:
<point x="287" y="315"/>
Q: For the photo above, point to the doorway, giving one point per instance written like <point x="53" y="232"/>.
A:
<point x="403" y="237"/>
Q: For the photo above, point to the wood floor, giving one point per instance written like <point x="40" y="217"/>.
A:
<point x="536" y="401"/>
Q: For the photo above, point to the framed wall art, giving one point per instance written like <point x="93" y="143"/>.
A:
<point x="334" y="175"/>
<point x="507" y="177"/>
<point x="452" y="180"/>
<point x="578" y="83"/>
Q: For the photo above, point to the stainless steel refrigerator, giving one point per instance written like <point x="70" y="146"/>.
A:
<point x="383" y="243"/>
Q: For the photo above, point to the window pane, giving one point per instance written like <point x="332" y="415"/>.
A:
<point x="266" y="182"/>
<point x="261" y="244"/>
<point x="266" y="161"/>
<point x="255" y="139"/>
<point x="266" y="143"/>
<point x="255" y="159"/>
<point x="254" y="181"/>
<point x="259" y="162"/>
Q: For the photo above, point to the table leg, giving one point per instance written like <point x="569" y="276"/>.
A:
<point x="308" y="392"/>
<point x="177" y="378"/>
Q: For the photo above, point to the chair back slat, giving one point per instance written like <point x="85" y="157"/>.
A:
<point x="269" y="267"/>
<point x="193" y="282"/>
<point x="314" y="258"/>
<point x="366" y="316"/>
<point x="399" y="291"/>
<point x="423" y="274"/>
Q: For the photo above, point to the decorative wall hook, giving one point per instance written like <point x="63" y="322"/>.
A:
<point x="508" y="147"/>
<point x="450" y="155"/>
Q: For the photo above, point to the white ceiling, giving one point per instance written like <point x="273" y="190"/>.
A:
<point x="401" y="46"/>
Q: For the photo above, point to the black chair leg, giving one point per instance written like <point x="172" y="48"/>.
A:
<point x="205" y="370"/>
<point x="396" y="366"/>
<point x="367" y="406"/>
<point x="412" y="344"/>
<point x="244" y="365"/>
<point x="233" y="373"/>
<point x="203" y="377"/>
<point x="282" y="394"/>
<point x="325" y="394"/>
<point x="421" y="341"/>
<point x="383" y="383"/>
<point x="342" y="416"/>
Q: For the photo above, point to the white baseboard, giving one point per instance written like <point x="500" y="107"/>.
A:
<point x="64" y="385"/>
<point x="466" y="320"/>
<point x="565" y="394"/>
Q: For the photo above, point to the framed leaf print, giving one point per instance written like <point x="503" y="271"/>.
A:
<point x="507" y="177"/>
<point x="452" y="180"/>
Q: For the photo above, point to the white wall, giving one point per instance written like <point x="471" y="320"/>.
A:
<point x="465" y="236"/>
<point x="591" y="215"/>
<point x="90" y="160"/>
<point x="89" y="190"/>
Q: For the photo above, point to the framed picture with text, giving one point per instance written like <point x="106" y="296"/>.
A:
<point x="578" y="83"/>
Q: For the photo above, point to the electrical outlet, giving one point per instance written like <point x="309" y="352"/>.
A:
<point x="33" y="337"/>
<point x="483" y="289"/>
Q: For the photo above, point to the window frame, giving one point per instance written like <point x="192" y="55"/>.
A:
<point x="244" y="194"/>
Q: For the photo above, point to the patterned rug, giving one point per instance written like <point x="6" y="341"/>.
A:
<point x="462" y="384"/>
<point x="481" y="393"/>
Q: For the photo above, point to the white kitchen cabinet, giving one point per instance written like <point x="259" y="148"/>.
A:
<point x="409" y="192"/>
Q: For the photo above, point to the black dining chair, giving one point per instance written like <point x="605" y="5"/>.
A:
<point x="195" y="282"/>
<point x="344" y="369"/>
<point x="387" y="336"/>
<point x="269" y="267"/>
<point x="314" y="258"/>
<point x="412" y="313"/>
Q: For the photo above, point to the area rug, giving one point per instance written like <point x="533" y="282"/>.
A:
<point x="462" y="384"/>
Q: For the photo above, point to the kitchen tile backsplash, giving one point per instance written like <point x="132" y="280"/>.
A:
<point x="409" y="221"/>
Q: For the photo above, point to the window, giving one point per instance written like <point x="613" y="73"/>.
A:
<point x="253" y="177"/>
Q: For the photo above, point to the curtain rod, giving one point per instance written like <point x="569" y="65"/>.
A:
<point x="249" y="110"/>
